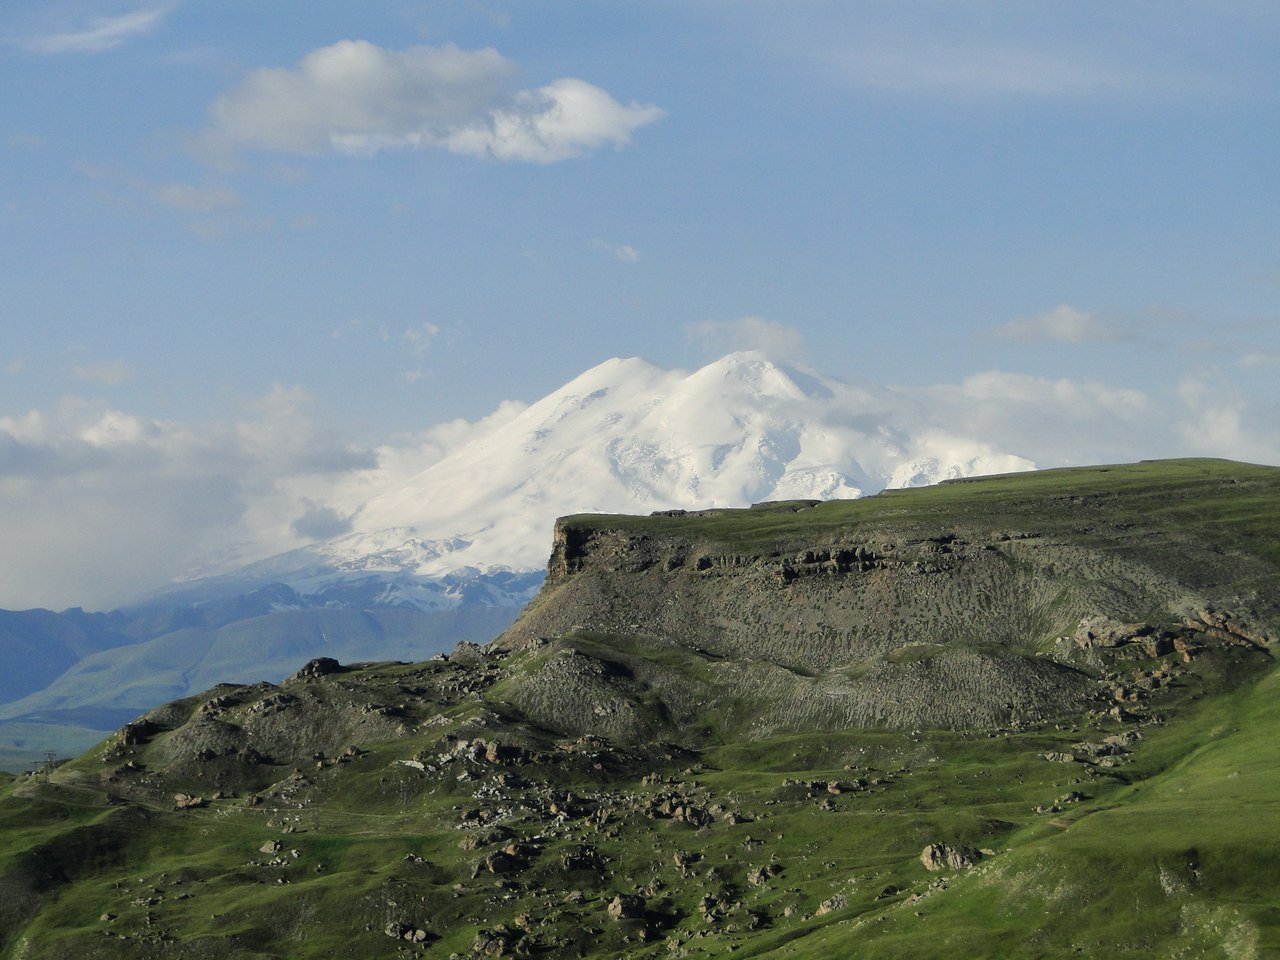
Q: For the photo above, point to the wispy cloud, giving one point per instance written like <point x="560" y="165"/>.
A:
<point x="107" y="373"/>
<point x="979" y="69"/>
<point x="103" y="33"/>
<point x="358" y="98"/>
<point x="621" y="251"/>
<point x="174" y="195"/>
<point x="23" y="140"/>
<point x="213" y="209"/>
<point x="420" y="338"/>
<point x="1065" y="324"/>
<point x="1003" y="50"/>
<point x="747" y="333"/>
<point x="189" y="198"/>
<point x="1260" y="358"/>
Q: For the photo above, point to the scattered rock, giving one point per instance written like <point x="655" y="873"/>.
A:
<point x="1105" y="632"/>
<point x="492" y="943"/>
<point x="761" y="875"/>
<point x="583" y="858"/>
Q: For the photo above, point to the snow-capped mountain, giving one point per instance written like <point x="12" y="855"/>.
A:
<point x="626" y="436"/>
<point x="452" y="553"/>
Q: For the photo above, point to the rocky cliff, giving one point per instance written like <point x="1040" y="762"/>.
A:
<point x="838" y="615"/>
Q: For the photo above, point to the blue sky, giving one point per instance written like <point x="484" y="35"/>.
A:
<point x="348" y="222"/>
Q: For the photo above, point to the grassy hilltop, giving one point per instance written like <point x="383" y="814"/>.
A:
<point x="1024" y="716"/>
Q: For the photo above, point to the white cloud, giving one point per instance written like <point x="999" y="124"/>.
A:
<point x="621" y="251"/>
<point x="1060" y="422"/>
<point x="747" y="333"/>
<point x="1219" y="421"/>
<point x="1064" y="324"/>
<point x="1053" y="421"/>
<point x="564" y="119"/>
<point x="356" y="97"/>
<point x="104" y="33"/>
<point x="98" y="505"/>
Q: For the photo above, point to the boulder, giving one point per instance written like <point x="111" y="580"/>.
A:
<point x="761" y="875"/>
<point x="626" y="906"/>
<point x="943" y="856"/>
<point x="500" y="862"/>
<point x="319" y="667"/>
<point x="838" y="902"/>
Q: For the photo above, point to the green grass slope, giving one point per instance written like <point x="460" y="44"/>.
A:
<point x="458" y="808"/>
<point x="1233" y="503"/>
<point x="1171" y="852"/>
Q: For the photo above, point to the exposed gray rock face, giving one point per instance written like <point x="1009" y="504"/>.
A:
<point x="880" y="631"/>
<point x="645" y="625"/>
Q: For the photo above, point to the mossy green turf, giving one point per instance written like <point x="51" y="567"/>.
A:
<point x="1237" y="504"/>
<point x="1173" y="853"/>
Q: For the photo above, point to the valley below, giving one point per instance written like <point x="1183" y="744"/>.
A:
<point x="1031" y="715"/>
